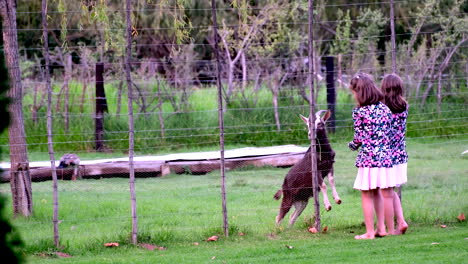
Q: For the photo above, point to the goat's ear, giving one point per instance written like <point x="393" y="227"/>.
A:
<point x="326" y="116"/>
<point x="305" y="119"/>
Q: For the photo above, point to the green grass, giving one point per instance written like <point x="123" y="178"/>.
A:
<point x="178" y="210"/>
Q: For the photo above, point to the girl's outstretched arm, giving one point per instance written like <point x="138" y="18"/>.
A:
<point x="358" y="130"/>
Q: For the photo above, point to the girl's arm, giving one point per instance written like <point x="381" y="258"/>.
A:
<point x="357" y="141"/>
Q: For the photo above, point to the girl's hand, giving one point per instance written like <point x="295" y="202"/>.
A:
<point x="353" y="146"/>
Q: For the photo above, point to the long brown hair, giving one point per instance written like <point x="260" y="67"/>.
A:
<point x="365" y="91"/>
<point x="392" y="88"/>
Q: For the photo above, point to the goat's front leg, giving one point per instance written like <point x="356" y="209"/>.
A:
<point x="331" y="180"/>
<point x="323" y="189"/>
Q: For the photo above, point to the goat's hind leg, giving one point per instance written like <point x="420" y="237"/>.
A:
<point x="286" y="204"/>
<point x="300" y="206"/>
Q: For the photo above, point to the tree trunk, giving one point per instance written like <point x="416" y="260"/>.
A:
<point x="466" y="71"/>
<point x="119" y="99"/>
<point x="66" y="87"/>
<point x="160" y="111"/>
<point x="427" y="91"/>
<point x="20" y="175"/>
<point x="439" y="92"/>
<point x="84" y="78"/>
<point x="340" y="73"/>
<point x="275" y="107"/>
<point x="34" y="107"/>
<point x="230" y="82"/>
<point x="244" y="71"/>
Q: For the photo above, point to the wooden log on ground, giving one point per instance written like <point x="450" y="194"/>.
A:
<point x="157" y="166"/>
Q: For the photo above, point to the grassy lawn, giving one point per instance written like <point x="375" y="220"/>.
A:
<point x="177" y="211"/>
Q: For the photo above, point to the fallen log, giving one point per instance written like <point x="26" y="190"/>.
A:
<point x="157" y="166"/>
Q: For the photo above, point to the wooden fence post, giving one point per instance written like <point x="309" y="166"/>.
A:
<point x="220" y="119"/>
<point x="101" y="107"/>
<point x="313" y="151"/>
<point x="50" y="122"/>
<point x="131" y="129"/>
<point x="392" y="28"/>
<point x="331" y="91"/>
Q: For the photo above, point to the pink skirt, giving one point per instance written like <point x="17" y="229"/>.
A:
<point x="373" y="178"/>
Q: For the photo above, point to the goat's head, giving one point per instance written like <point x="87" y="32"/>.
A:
<point x="319" y="120"/>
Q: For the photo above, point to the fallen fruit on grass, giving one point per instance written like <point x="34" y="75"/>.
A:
<point x="147" y="246"/>
<point x="313" y="230"/>
<point x="325" y="229"/>
<point x="443" y="226"/>
<point x="212" y="238"/>
<point x="112" y="244"/>
<point x="151" y="247"/>
<point x="62" y="255"/>
<point x="461" y="217"/>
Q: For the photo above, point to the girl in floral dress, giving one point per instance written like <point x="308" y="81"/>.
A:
<point x="372" y="121"/>
<point x="392" y="88"/>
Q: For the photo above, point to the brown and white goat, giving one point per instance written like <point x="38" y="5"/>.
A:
<point x="297" y="185"/>
<point x="70" y="161"/>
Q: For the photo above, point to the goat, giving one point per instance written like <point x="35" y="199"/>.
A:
<point x="297" y="185"/>
<point x="70" y="161"/>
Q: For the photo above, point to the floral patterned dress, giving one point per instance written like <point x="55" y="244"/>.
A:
<point x="372" y="136"/>
<point x="398" y="142"/>
<point x="371" y="126"/>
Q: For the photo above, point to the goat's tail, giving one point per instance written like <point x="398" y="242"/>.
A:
<point x="278" y="194"/>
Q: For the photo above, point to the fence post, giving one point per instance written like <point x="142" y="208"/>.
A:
<point x="331" y="91"/>
<point x="131" y="132"/>
<point x="313" y="151"/>
<point x="50" y="143"/>
<point x="392" y="28"/>
<point x="220" y="119"/>
<point x="101" y="107"/>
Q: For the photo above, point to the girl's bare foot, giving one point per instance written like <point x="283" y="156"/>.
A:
<point x="364" y="236"/>
<point x="380" y="234"/>
<point x="402" y="229"/>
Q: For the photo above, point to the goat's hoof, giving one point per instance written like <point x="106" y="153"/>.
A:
<point x="328" y="208"/>
<point x="338" y="201"/>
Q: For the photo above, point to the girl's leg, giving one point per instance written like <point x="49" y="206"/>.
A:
<point x="402" y="225"/>
<point x="379" y="212"/>
<point x="389" y="212"/>
<point x="368" y="211"/>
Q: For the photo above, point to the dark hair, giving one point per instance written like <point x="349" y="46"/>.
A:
<point x="366" y="92"/>
<point x="392" y="88"/>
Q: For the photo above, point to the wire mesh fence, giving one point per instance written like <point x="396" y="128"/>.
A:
<point x="264" y="72"/>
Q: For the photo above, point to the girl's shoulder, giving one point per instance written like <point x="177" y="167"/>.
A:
<point x="359" y="111"/>
<point x="372" y="109"/>
<point x="402" y="114"/>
